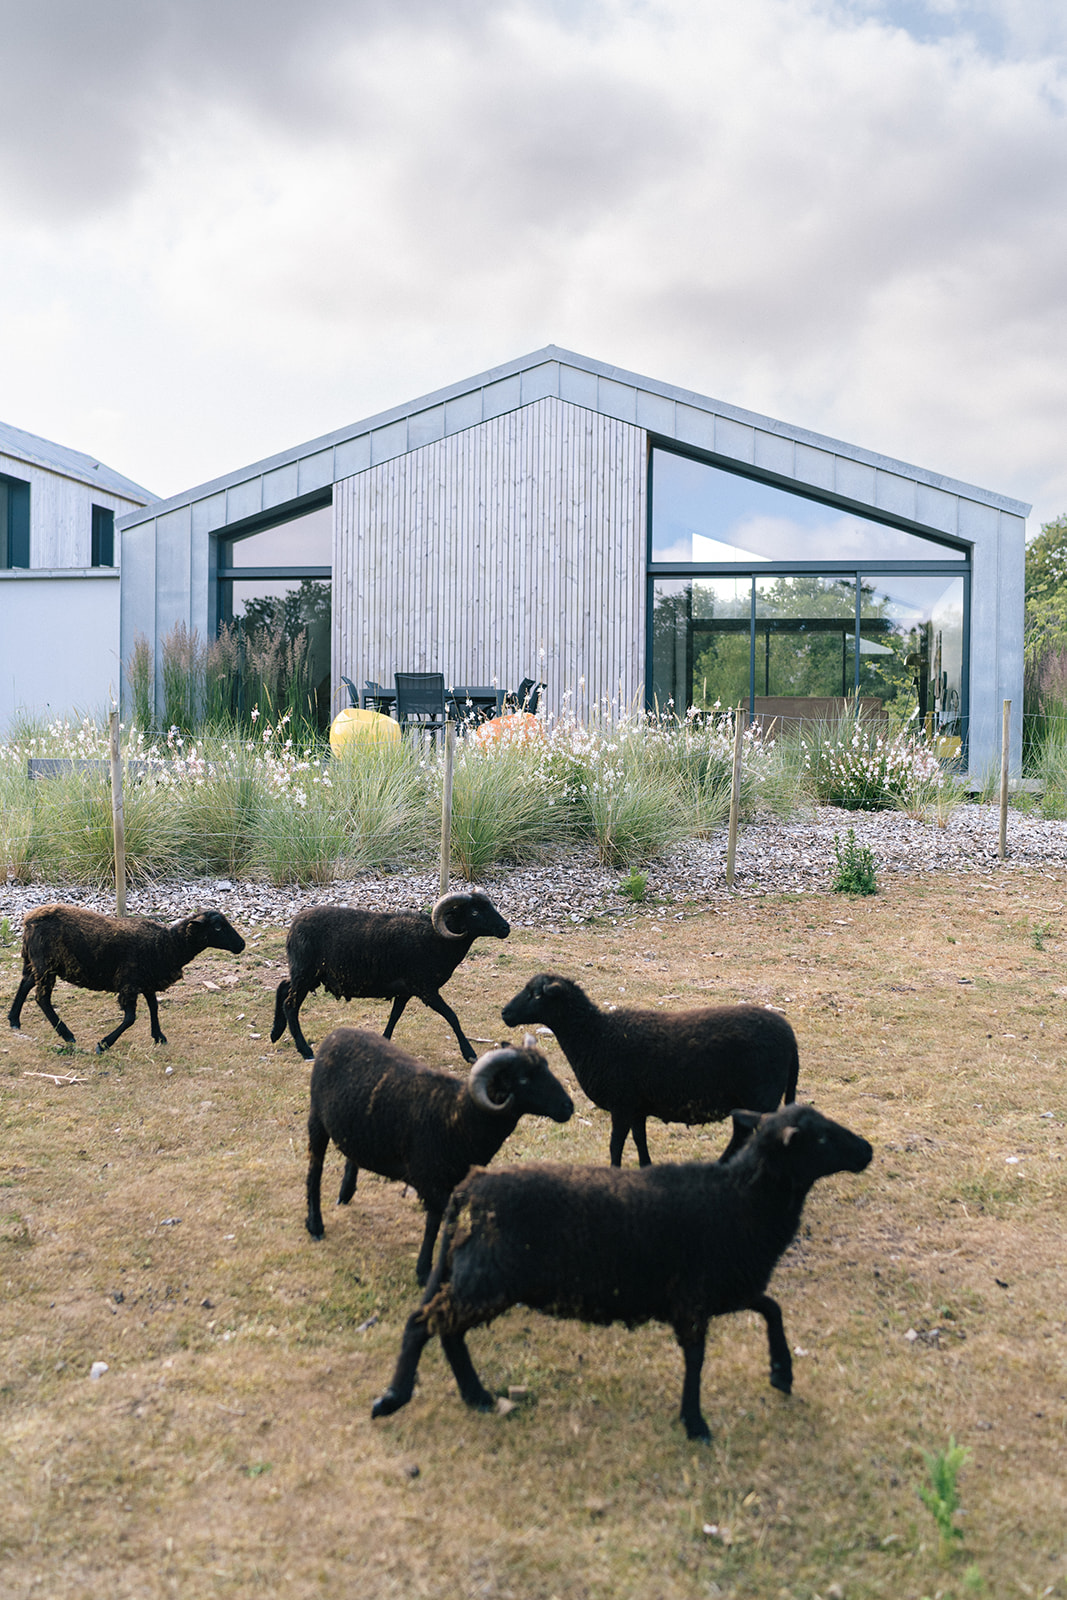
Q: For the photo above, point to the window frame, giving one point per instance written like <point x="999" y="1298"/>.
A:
<point x="856" y="570"/>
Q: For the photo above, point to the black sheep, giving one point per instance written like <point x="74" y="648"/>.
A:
<point x="384" y="955"/>
<point x="682" y="1066"/>
<point x="387" y="1112"/>
<point x="125" y="956"/>
<point x="674" y="1244"/>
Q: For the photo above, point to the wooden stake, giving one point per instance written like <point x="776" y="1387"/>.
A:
<point x="118" y="817"/>
<point x="735" y="797"/>
<point x="1005" y="747"/>
<point x="446" y="809"/>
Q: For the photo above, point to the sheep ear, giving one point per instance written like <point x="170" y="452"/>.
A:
<point x="529" y="1042"/>
<point x="788" y="1133"/>
<point x="746" y="1119"/>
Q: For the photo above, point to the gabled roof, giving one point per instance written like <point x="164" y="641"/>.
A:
<point x="38" y="452"/>
<point x="736" y="437"/>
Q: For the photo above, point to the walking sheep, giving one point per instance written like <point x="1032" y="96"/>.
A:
<point x="385" y="955"/>
<point x="674" y="1244"/>
<point x="387" y="1112"/>
<point x="683" y="1066"/>
<point x="125" y="956"/>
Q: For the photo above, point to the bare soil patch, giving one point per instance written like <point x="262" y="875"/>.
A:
<point x="154" y="1222"/>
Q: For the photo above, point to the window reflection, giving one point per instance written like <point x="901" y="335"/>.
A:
<point x="702" y="513"/>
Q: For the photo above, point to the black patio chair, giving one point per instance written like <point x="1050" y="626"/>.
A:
<point x="525" y="697"/>
<point x="353" y="692"/>
<point x="420" y="701"/>
<point x="376" y="697"/>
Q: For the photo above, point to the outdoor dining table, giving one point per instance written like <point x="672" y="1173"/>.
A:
<point x="475" y="702"/>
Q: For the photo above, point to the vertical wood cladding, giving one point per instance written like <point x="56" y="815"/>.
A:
<point x="514" y="549"/>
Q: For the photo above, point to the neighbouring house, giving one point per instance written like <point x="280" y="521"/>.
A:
<point x="624" y="540"/>
<point x="59" y="578"/>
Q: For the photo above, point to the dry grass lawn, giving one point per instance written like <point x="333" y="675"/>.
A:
<point x="155" y="1223"/>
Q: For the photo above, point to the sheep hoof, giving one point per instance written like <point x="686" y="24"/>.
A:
<point x="316" y="1233"/>
<point x="782" y="1381"/>
<point x="386" y="1404"/>
<point x="102" y="1046"/>
<point x="699" y="1432"/>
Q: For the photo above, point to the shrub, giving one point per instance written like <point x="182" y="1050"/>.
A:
<point x="857" y="763"/>
<point x="140" y="674"/>
<point x="855" y="866"/>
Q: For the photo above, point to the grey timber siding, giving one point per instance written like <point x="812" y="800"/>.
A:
<point x="513" y="549"/>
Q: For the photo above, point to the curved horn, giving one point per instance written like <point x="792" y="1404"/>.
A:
<point x="483" y="1072"/>
<point x="447" y="903"/>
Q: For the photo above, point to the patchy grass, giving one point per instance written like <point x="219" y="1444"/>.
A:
<point x="155" y="1223"/>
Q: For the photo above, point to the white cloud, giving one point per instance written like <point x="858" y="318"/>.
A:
<point x="280" y="219"/>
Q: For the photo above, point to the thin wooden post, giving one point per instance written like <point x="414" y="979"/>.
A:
<point x="735" y="797"/>
<point x="118" y="817"/>
<point x="1005" y="747"/>
<point x="446" y="808"/>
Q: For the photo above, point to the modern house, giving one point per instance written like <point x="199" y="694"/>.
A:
<point x="624" y="540"/>
<point x="59" y="577"/>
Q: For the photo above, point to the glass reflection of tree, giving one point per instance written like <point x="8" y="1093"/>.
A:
<point x="285" y="647"/>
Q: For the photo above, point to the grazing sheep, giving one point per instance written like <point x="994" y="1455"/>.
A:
<point x="390" y="1114"/>
<point x="682" y="1066"/>
<point x="125" y="956"/>
<point x="385" y="955"/>
<point x="674" y="1244"/>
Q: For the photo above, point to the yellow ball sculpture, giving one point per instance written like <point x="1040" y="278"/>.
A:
<point x="354" y="726"/>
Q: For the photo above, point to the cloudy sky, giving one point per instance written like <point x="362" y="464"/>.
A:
<point x="227" y="227"/>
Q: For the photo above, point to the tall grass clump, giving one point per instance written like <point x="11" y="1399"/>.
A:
<point x="299" y="836"/>
<point x="698" y="751"/>
<point x="140" y="676"/>
<point x="218" y="788"/>
<point x="380" y="792"/>
<point x="857" y="763"/>
<point x="74" y="827"/>
<point x="505" y="806"/>
<point x="618" y="789"/>
<point x="182" y="672"/>
<point x="18" y="835"/>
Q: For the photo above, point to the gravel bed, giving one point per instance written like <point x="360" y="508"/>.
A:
<point x="772" y="857"/>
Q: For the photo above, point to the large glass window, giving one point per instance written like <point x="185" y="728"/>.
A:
<point x="704" y="514"/>
<point x="274" y="609"/>
<point x="886" y="625"/>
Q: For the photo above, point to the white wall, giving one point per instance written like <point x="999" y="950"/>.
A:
<point x="59" y="643"/>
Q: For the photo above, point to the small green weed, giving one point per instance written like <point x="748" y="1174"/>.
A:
<point x="635" y="887"/>
<point x="941" y="1496"/>
<point x="7" y="935"/>
<point x="855" y="866"/>
<point x="1039" y="933"/>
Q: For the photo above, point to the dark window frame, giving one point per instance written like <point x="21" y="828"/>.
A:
<point x="102" y="551"/>
<point x="14" y="523"/>
<point x="856" y="570"/>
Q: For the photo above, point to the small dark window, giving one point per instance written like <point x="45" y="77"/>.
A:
<point x="103" y="537"/>
<point x="14" y="523"/>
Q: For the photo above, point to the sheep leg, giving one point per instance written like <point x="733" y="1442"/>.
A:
<point x="473" y="1392"/>
<point x="348" y="1182"/>
<point x="400" y="1389"/>
<point x="44" y="1000"/>
<point x="620" y="1127"/>
<point x="318" y="1139"/>
<point x="128" y="1002"/>
<point x="153" y="1015"/>
<point x="690" y="1413"/>
<point x="14" y="1016"/>
<point x="294" y="999"/>
<point x="641" y="1141"/>
<point x="781" y="1360"/>
<point x="395" y="1014"/>
<point x="443" y="1009"/>
<point x="429" y="1239"/>
<point x="277" y="1027"/>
